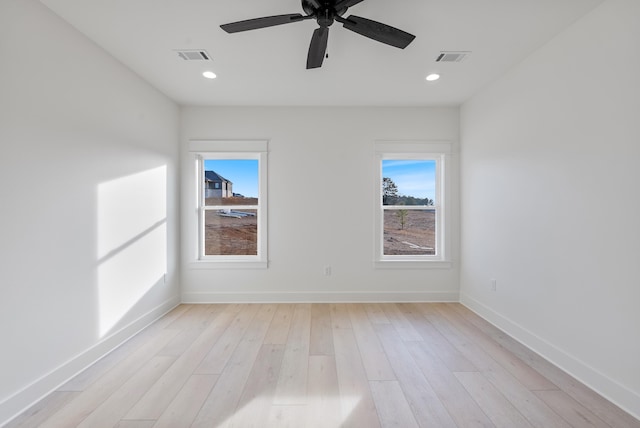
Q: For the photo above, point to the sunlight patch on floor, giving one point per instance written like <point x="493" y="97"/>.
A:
<point x="319" y="411"/>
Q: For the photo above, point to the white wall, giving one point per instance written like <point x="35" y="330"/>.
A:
<point x="550" y="176"/>
<point x="321" y="199"/>
<point x="80" y="137"/>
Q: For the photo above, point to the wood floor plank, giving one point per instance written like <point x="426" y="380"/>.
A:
<point x="393" y="408"/>
<point x="571" y="411"/>
<point x="87" y="377"/>
<point x="604" y="409"/>
<point x="158" y="396"/>
<point x="280" y="325"/>
<point x="91" y="374"/>
<point x="180" y="343"/>
<point x="255" y="403"/>
<point x="437" y="340"/>
<point x="286" y="416"/>
<point x="339" y="315"/>
<point x="109" y="412"/>
<point x="376" y="314"/>
<point x="87" y="401"/>
<point x="84" y="379"/>
<point x="135" y="424"/>
<point x="323" y="394"/>
<point x="402" y="325"/>
<point x="463" y="409"/>
<point x="321" y="365"/>
<point x="221" y="404"/>
<point x="511" y="362"/>
<point x="292" y="381"/>
<point x="467" y="348"/>
<point x="259" y="326"/>
<point x="196" y="317"/>
<point x="321" y="339"/>
<point x="183" y="409"/>
<point x="166" y="320"/>
<point x="42" y="410"/>
<point x="494" y="404"/>
<point x="374" y="359"/>
<point x="215" y="361"/>
<point x="527" y="403"/>
<point x="192" y="325"/>
<point x="357" y="406"/>
<point x="427" y="408"/>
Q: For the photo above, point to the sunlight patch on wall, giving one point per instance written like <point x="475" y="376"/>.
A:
<point x="128" y="206"/>
<point x="132" y="242"/>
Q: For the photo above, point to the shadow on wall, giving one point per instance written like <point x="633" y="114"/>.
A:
<point x="132" y="242"/>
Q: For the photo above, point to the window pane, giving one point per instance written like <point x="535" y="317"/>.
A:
<point x="408" y="182"/>
<point x="409" y="232"/>
<point x="230" y="182"/>
<point x="231" y="232"/>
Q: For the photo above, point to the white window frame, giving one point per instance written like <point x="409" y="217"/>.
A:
<point x="201" y="150"/>
<point x="419" y="150"/>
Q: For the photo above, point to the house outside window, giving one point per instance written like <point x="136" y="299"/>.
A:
<point x="230" y="227"/>
<point x="411" y="216"/>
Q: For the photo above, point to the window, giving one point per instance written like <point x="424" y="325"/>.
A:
<point x="410" y="204"/>
<point x="230" y="200"/>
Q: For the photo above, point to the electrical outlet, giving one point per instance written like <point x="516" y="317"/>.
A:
<point x="327" y="270"/>
<point x="494" y="285"/>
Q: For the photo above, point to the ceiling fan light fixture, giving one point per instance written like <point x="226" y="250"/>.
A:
<point x="209" y="74"/>
<point x="432" y="77"/>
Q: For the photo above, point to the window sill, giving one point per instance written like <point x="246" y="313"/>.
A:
<point x="412" y="264"/>
<point x="237" y="264"/>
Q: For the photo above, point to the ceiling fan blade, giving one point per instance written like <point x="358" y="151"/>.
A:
<point x="346" y="3"/>
<point x="318" y="47"/>
<point x="315" y="3"/>
<point x="267" y="21"/>
<point x="378" y="31"/>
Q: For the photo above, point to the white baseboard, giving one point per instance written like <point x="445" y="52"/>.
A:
<point x="321" y="297"/>
<point x="613" y="391"/>
<point x="31" y="394"/>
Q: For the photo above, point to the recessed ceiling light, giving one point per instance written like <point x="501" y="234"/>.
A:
<point x="209" y="74"/>
<point x="433" y="77"/>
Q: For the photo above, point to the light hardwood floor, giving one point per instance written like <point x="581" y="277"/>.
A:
<point x="323" y="365"/>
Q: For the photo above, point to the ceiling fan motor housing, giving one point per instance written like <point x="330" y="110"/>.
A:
<point x="324" y="14"/>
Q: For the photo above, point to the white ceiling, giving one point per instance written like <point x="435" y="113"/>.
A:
<point x="267" y="66"/>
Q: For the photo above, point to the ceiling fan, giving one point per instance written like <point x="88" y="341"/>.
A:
<point x="325" y="12"/>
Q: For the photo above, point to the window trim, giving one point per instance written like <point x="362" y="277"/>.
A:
<point x="440" y="151"/>
<point x="201" y="150"/>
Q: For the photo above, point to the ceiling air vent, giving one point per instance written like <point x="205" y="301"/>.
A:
<point x="452" y="56"/>
<point x="194" y="55"/>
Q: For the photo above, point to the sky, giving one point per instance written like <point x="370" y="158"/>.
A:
<point x="413" y="177"/>
<point x="243" y="173"/>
